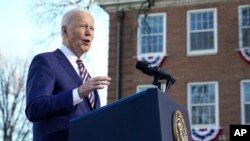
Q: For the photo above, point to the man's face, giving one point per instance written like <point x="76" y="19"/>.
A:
<point x="79" y="33"/>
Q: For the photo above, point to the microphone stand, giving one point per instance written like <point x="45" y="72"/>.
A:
<point x="156" y="81"/>
<point x="169" y="82"/>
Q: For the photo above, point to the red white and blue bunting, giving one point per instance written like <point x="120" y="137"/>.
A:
<point x="206" y="134"/>
<point x="156" y="60"/>
<point x="245" y="54"/>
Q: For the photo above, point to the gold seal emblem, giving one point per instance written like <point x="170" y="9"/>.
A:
<point x="179" y="127"/>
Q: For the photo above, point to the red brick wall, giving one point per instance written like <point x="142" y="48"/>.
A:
<point x="226" y="67"/>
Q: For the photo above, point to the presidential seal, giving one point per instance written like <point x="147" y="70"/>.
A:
<point x="179" y="127"/>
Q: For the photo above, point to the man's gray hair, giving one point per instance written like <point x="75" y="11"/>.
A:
<point x="68" y="15"/>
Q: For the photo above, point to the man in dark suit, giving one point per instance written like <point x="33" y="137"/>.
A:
<point x="56" y="90"/>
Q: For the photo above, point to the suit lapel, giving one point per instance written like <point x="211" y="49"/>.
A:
<point x="71" y="71"/>
<point x="68" y="67"/>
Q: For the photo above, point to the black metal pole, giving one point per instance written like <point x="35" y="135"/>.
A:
<point x="120" y="16"/>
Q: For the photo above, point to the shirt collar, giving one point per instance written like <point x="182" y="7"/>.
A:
<point x="68" y="53"/>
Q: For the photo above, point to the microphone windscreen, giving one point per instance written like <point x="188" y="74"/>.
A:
<point x="141" y="65"/>
<point x="144" y="67"/>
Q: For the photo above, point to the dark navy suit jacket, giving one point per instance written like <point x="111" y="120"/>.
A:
<point x="49" y="100"/>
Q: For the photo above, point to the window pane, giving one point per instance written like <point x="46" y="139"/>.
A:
<point x="144" y="27"/>
<point x="246" y="36"/>
<point x="246" y="16"/>
<point x="144" y="42"/>
<point x="151" y="44"/>
<point x="203" y="115"/>
<point x="205" y="18"/>
<point x="211" y="20"/>
<point x="195" y="97"/>
<point x="202" y="41"/>
<point x="151" y="34"/>
<point x="203" y="104"/>
<point x="211" y="93"/>
<point x="202" y="31"/>
<point x="160" y="43"/>
<point x="202" y="20"/>
<point x="152" y="24"/>
<point x="154" y="42"/>
<point x="247" y="113"/>
<point x="245" y="26"/>
<point x="246" y="86"/>
<point x="246" y="93"/>
<point x="203" y="94"/>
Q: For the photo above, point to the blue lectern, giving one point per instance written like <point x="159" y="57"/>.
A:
<point x="143" y="116"/>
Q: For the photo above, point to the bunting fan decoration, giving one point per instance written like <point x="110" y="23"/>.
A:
<point x="206" y="134"/>
<point x="156" y="60"/>
<point x="245" y="54"/>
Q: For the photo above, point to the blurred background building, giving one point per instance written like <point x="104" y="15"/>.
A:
<point x="204" y="44"/>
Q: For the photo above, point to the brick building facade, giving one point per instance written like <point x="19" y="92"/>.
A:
<point x="222" y="74"/>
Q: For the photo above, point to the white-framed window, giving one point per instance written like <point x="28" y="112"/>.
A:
<point x="151" y="35"/>
<point x="203" y="104"/>
<point x="144" y="87"/>
<point x="244" y="26"/>
<point x="202" y="32"/>
<point x="245" y="101"/>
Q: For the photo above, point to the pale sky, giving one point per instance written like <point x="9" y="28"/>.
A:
<point x="16" y="30"/>
<point x="18" y="34"/>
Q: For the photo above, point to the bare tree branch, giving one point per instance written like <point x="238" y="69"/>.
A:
<point x="48" y="13"/>
<point x="13" y="123"/>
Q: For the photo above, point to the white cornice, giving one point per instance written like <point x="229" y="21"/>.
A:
<point x="117" y="2"/>
<point x="136" y="4"/>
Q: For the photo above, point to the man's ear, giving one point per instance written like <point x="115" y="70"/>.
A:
<point x="64" y="30"/>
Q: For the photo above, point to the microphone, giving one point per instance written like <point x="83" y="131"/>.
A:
<point x="153" y="71"/>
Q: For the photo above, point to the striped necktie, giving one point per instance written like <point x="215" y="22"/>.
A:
<point x="85" y="76"/>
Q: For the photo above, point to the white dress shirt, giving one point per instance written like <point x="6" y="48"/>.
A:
<point x="72" y="59"/>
